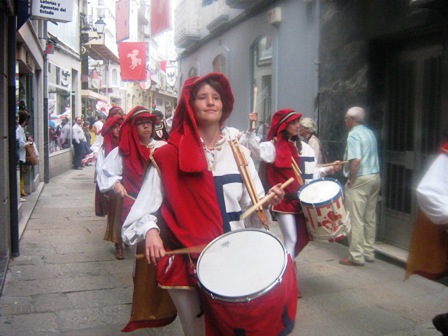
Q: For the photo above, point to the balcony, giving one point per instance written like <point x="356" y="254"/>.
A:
<point x="218" y="12"/>
<point x="100" y="47"/>
<point x="188" y="24"/>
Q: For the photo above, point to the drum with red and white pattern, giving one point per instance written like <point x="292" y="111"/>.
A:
<point x="323" y="205"/>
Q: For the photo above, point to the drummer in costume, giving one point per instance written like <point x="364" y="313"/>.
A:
<point x="284" y="161"/>
<point x="122" y="174"/>
<point x="196" y="182"/>
<point x="101" y="207"/>
<point x="106" y="202"/>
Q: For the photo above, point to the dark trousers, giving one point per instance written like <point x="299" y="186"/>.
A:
<point x="78" y="154"/>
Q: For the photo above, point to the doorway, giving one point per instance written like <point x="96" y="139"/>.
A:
<point x="412" y="131"/>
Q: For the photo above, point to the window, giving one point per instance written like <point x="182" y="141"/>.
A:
<point x="193" y="72"/>
<point x="262" y="74"/>
<point x="219" y="64"/>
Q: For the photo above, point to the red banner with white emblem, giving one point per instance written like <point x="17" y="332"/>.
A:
<point x="132" y="61"/>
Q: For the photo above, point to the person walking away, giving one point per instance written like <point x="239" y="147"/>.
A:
<point x="196" y="183"/>
<point x="362" y="188"/>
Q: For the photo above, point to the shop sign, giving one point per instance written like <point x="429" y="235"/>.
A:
<point x="60" y="11"/>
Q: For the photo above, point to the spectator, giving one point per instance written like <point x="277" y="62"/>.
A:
<point x="86" y="128"/>
<point x="65" y="133"/>
<point x="362" y="188"/>
<point x="79" y="143"/>
<point x="22" y="141"/>
<point x="308" y="133"/>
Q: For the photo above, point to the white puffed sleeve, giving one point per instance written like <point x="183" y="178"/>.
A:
<point x="141" y="217"/>
<point x="432" y="191"/>
<point x="260" y="151"/>
<point x="111" y="171"/>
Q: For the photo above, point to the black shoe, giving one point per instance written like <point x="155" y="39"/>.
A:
<point x="441" y="323"/>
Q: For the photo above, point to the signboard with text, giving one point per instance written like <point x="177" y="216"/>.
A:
<point x="60" y="11"/>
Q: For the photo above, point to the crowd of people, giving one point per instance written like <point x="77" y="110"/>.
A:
<point x="171" y="187"/>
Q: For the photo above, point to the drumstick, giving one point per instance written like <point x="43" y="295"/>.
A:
<point x="129" y="196"/>
<point x="185" y="250"/>
<point x="297" y="171"/>
<point x="331" y="164"/>
<point x="253" y="124"/>
<point x="265" y="199"/>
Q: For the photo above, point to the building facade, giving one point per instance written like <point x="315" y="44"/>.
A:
<point x="321" y="57"/>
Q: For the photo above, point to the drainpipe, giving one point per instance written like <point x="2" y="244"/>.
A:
<point x="12" y="144"/>
<point x="45" y="128"/>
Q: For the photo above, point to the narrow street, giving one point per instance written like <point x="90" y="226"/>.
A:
<point x="68" y="282"/>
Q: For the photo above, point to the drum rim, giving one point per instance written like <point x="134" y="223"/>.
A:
<point x="244" y="298"/>
<point x="335" y="197"/>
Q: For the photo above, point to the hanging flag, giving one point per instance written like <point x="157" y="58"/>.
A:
<point x="171" y="73"/>
<point x="122" y="20"/>
<point x="163" y="65"/>
<point x="160" y="16"/>
<point x="132" y="61"/>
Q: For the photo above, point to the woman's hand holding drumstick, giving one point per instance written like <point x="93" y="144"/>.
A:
<point x="154" y="249"/>
<point x="274" y="196"/>
<point x="119" y="189"/>
<point x="253" y="119"/>
<point x="185" y="250"/>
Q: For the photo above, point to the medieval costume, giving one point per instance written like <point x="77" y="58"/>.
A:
<point x="201" y="195"/>
<point x="108" y="203"/>
<point x="282" y="158"/>
<point x="428" y="252"/>
<point x="126" y="164"/>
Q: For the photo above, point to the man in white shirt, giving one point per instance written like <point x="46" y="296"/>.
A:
<point x="78" y="138"/>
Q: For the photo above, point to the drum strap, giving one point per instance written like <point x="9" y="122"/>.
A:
<point x="247" y="180"/>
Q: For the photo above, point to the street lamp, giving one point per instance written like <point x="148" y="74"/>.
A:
<point x="100" y="25"/>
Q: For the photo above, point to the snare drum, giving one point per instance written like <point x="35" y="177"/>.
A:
<point x="323" y="206"/>
<point x="248" y="284"/>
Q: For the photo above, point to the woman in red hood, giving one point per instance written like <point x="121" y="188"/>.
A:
<point x="123" y="169"/>
<point x="196" y="183"/>
<point x="282" y="158"/>
<point x="110" y="133"/>
<point x="285" y="159"/>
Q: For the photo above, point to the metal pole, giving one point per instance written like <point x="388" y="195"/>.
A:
<point x="46" y="117"/>
<point x="12" y="143"/>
